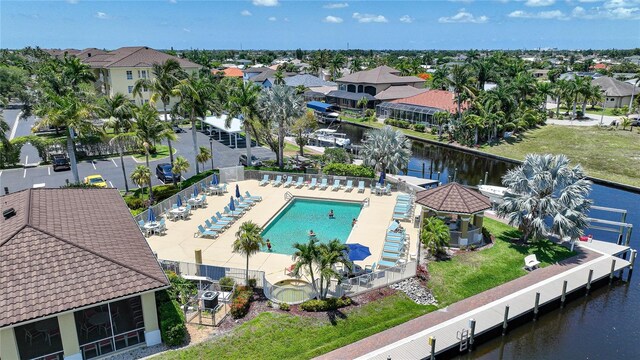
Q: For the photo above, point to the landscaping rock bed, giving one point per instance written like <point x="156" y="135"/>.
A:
<point x="415" y="291"/>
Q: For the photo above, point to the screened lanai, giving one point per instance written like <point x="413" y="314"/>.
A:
<point x="414" y="114"/>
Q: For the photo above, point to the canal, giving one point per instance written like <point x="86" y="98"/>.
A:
<point x="601" y="326"/>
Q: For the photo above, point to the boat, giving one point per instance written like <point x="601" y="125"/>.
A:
<point x="494" y="193"/>
<point x="330" y="138"/>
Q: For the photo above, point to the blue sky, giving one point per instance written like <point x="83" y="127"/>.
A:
<point x="280" y="24"/>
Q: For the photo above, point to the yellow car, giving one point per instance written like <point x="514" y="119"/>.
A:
<point x="95" y="180"/>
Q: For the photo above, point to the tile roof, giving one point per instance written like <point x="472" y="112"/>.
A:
<point x="68" y="248"/>
<point x="341" y="94"/>
<point x="132" y="56"/>
<point x="307" y="80"/>
<point x="453" y="198"/>
<point x="613" y="87"/>
<point x="399" y="92"/>
<point x="380" y="75"/>
<point x="229" y="72"/>
<point x="439" y="99"/>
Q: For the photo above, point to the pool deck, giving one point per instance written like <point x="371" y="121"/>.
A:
<point x="179" y="243"/>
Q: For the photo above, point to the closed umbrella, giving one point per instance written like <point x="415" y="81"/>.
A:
<point x="195" y="191"/>
<point x="382" y="176"/>
<point x="179" y="201"/>
<point x="358" y="252"/>
<point x="214" y="180"/>
<point x="237" y="191"/>
<point x="151" y="216"/>
<point x="232" y="206"/>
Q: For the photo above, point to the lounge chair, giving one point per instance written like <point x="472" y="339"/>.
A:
<point x="247" y="200"/>
<point x="278" y="181"/>
<point x="531" y="262"/>
<point x="264" y="181"/>
<point x="224" y="218"/>
<point x="387" y="189"/>
<point x="236" y="213"/>
<point x="313" y="184"/>
<point x="223" y="189"/>
<point x="336" y="185"/>
<point x="361" y="186"/>
<point x="370" y="268"/>
<point x="387" y="264"/>
<point x="390" y="255"/>
<point x="300" y="182"/>
<point x="202" y="232"/>
<point x="162" y="227"/>
<point x="215" y="220"/>
<point x="241" y="206"/>
<point x="289" y="181"/>
<point x="254" y="198"/>
<point x="405" y="197"/>
<point x="349" y="186"/>
<point x="323" y="185"/>
<point x="209" y="226"/>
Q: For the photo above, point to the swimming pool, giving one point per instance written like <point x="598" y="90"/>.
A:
<point x="293" y="223"/>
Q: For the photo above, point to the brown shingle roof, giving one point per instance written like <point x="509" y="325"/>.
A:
<point x="380" y="75"/>
<point x="132" y="56"/>
<point x="399" y="92"/>
<point x="68" y="248"/>
<point x="453" y="198"/>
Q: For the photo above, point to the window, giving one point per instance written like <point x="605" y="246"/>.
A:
<point x="39" y="339"/>
<point x="129" y="75"/>
<point x="144" y="74"/>
<point x="130" y="88"/>
<point x="146" y="101"/>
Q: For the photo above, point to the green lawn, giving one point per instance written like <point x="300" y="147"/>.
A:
<point x="596" y="110"/>
<point x="473" y="272"/>
<point x="284" y="336"/>
<point x="379" y="125"/>
<point x="608" y="154"/>
<point x="162" y="151"/>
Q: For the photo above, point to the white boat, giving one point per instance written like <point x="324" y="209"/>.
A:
<point x="494" y="193"/>
<point x="330" y="138"/>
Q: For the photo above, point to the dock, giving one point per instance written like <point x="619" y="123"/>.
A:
<point x="417" y="181"/>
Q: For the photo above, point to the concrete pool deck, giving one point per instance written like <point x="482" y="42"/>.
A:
<point x="179" y="243"/>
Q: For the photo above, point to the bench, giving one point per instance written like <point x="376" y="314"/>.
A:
<point x="531" y="262"/>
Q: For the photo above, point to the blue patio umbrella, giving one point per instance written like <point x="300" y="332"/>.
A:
<point x="237" y="191"/>
<point x="214" y="180"/>
<point x="179" y="201"/>
<point x="151" y="216"/>
<point x="358" y="252"/>
<point x="232" y="206"/>
<point x="382" y="176"/>
<point x="195" y="191"/>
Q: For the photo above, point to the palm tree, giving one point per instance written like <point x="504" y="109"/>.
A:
<point x="355" y="65"/>
<point x="302" y="127"/>
<point x="624" y="122"/>
<point x="149" y="129"/>
<point x="475" y="122"/>
<point x="304" y="257"/>
<point x="248" y="242"/>
<point x="141" y="176"/>
<point x="559" y="91"/>
<point x="362" y="104"/>
<point x="278" y="77"/>
<point x="283" y="106"/>
<point x="203" y="156"/>
<point x="180" y="166"/>
<point x="544" y="90"/>
<point x="119" y="111"/>
<point x="462" y="83"/>
<point x="75" y="73"/>
<point x="329" y="255"/>
<point x="386" y="149"/>
<point x="243" y="99"/>
<point x="484" y="71"/>
<point x="440" y="118"/>
<point x="440" y="78"/>
<point x="336" y="63"/>
<point x="435" y="235"/>
<point x="196" y="97"/>
<point x="546" y="190"/>
<point x="164" y="77"/>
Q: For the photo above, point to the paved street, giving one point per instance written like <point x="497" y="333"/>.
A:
<point x="110" y="169"/>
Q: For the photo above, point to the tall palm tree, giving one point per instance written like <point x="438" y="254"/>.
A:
<point x="336" y="63"/>
<point x="362" y="104"/>
<point x="476" y="122"/>
<point x="440" y="79"/>
<point x="283" y="106"/>
<point x="435" y="235"/>
<point x="304" y="258"/>
<point x="203" y="156"/>
<point x="196" y="98"/>
<point x="559" y="91"/>
<point x="329" y="255"/>
<point x="461" y="81"/>
<point x="180" y="166"/>
<point x="119" y="113"/>
<point x="164" y="77"/>
<point x="386" y="149"/>
<point x="141" y="176"/>
<point x="485" y="71"/>
<point x="544" y="90"/>
<point x="441" y="118"/>
<point x="355" y="65"/>
<point x="278" y="77"/>
<point x="149" y="129"/>
<point x="75" y="73"/>
<point x="523" y="87"/>
<point x="248" y="242"/>
<point x="242" y="103"/>
<point x="546" y="196"/>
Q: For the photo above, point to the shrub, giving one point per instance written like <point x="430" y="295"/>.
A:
<point x="419" y="127"/>
<point x="241" y="301"/>
<point x="325" y="305"/>
<point x="226" y="283"/>
<point x="336" y="155"/>
<point x="134" y="203"/>
<point x="348" y="170"/>
<point x="161" y="192"/>
<point x="434" y="130"/>
<point x="172" y="322"/>
<point x="284" y="307"/>
<point x="422" y="273"/>
<point x="579" y="114"/>
<point x="253" y="282"/>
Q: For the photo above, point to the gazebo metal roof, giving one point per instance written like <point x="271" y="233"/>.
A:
<point x="453" y="198"/>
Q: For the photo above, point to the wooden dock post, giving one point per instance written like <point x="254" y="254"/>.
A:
<point x="535" y="306"/>
<point x="505" y="322"/>
<point x="486" y="177"/>
<point x="613" y="269"/>
<point x="432" y="342"/>
<point x="423" y="168"/>
<point x="632" y="260"/>
<point x="455" y="174"/>
<point x="472" y="333"/>
<point x="589" y="281"/>
<point x="563" y="298"/>
<point x="431" y="169"/>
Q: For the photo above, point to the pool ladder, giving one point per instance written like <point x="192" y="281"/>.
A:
<point x="366" y="202"/>
<point x="288" y="196"/>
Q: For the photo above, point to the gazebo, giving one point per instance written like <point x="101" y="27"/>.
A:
<point x="462" y="209"/>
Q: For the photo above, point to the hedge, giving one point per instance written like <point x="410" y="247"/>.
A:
<point x="325" y="305"/>
<point x="241" y="301"/>
<point x="348" y="170"/>
<point x="172" y="322"/>
<point x="398" y="123"/>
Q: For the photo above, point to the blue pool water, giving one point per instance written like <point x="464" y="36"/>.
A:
<point x="293" y="223"/>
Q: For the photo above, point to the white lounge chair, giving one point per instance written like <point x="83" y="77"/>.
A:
<point x="531" y="262"/>
<point x="361" y="186"/>
<point x="202" y="232"/>
<point x="278" y="181"/>
<point x="323" y="185"/>
<point x="265" y="180"/>
<point x="289" y="181"/>
<point x="300" y="182"/>
<point x="313" y="184"/>
<point x="349" y="186"/>
<point x="336" y="185"/>
<point x="209" y="226"/>
<point x="254" y="198"/>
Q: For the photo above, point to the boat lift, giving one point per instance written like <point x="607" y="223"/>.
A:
<point x="622" y="228"/>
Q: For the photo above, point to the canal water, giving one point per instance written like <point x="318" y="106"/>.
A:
<point x="601" y="326"/>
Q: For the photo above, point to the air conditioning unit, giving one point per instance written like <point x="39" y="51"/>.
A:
<point x="209" y="299"/>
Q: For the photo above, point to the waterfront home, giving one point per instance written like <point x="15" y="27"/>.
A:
<point x="233" y="72"/>
<point x="420" y="108"/>
<point x="78" y="277"/>
<point x="617" y="93"/>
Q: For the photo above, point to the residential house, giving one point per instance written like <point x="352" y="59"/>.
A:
<point x="78" y="277"/>
<point x="617" y="93"/>
<point x="233" y="72"/>
<point x="420" y="108"/>
<point x="373" y="85"/>
<point x="255" y="74"/>
<point x="315" y="88"/>
<point x="118" y="70"/>
<point x="540" y="74"/>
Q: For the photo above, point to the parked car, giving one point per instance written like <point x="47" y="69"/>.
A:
<point x="95" y="180"/>
<point x="254" y="161"/>
<point x="178" y="129"/>
<point x="164" y="173"/>
<point x="60" y="162"/>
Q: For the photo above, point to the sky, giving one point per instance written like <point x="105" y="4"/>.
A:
<point x="281" y="24"/>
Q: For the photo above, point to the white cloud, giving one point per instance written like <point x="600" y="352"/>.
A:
<point x="336" y="6"/>
<point x="369" y="18"/>
<point x="186" y="30"/>
<point x="406" y="19"/>
<point x="536" y="3"/>
<point x="245" y="13"/>
<point x="265" y="2"/>
<point x="552" y="14"/>
<point x="272" y="18"/>
<point x="463" y="16"/>
<point x="333" y="19"/>
<point x="102" y="15"/>
<point x="611" y="4"/>
<point x="619" y="13"/>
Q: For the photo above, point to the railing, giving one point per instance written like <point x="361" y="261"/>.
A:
<point x="53" y="355"/>
<point x="288" y="196"/>
<point x="366" y="202"/>
<point x="98" y="345"/>
<point x="285" y="294"/>
<point x="211" y="271"/>
<point x="259" y="175"/>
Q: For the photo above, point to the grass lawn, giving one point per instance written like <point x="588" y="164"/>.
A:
<point x="379" y="125"/>
<point x="608" y="154"/>
<point x="596" y="110"/>
<point x="284" y="336"/>
<point x="162" y="151"/>
<point x="473" y="272"/>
